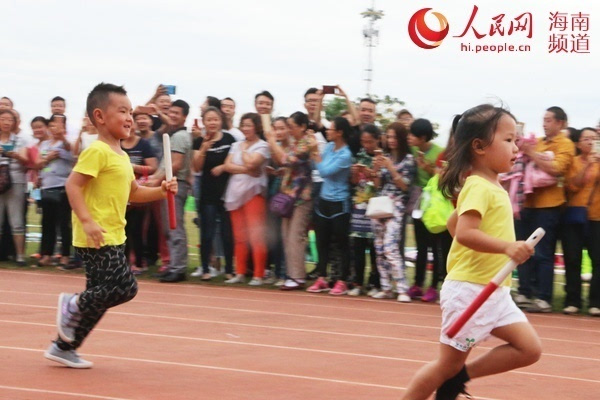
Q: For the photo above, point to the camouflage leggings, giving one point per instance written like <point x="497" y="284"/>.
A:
<point x="109" y="282"/>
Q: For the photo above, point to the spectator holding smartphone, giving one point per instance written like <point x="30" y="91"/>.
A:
<point x="394" y="174"/>
<point x="13" y="159"/>
<point x="332" y="209"/>
<point x="56" y="162"/>
<point x="161" y="103"/>
<point x="361" y="231"/>
<point x="425" y="153"/>
<point x="210" y="153"/>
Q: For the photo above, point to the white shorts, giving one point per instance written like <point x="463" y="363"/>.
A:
<point x="498" y="310"/>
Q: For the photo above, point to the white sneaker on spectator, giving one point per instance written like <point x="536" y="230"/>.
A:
<point x="270" y="280"/>
<point x="255" y="282"/>
<point x="356" y="291"/>
<point x="214" y="272"/>
<point x="279" y="283"/>
<point x="372" y="292"/>
<point x="522" y="301"/>
<point x="239" y="278"/>
<point x="539" y="306"/>
<point x="197" y="273"/>
<point x="570" y="310"/>
<point x="384" y="295"/>
<point x="594" y="311"/>
<point x="404" y="298"/>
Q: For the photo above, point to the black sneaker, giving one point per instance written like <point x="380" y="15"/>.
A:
<point x="173" y="277"/>
<point x="454" y="386"/>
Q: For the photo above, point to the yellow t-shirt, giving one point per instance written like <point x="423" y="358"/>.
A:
<point x="493" y="203"/>
<point x="106" y="195"/>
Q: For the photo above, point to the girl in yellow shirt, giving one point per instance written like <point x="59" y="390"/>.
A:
<point x="484" y="240"/>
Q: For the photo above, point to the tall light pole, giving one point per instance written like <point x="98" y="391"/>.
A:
<point x="371" y="38"/>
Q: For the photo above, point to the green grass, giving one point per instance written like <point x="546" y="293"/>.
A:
<point x="33" y="221"/>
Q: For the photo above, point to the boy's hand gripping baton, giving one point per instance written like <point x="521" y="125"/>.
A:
<point x="491" y="287"/>
<point x="169" y="174"/>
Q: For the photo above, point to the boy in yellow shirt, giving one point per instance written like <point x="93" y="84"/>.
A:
<point x="101" y="184"/>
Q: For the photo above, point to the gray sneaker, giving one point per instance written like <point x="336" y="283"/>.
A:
<point x="70" y="358"/>
<point x="539" y="306"/>
<point x="66" y="321"/>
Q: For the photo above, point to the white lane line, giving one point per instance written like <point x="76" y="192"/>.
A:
<point x="273" y="327"/>
<point x="226" y="369"/>
<point x="80" y="395"/>
<point x="300" y="295"/>
<point x="216" y="368"/>
<point x="329" y="318"/>
<point x="294" y="348"/>
<point x="232" y="342"/>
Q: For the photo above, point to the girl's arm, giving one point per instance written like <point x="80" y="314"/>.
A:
<point x="451" y="225"/>
<point x="469" y="235"/>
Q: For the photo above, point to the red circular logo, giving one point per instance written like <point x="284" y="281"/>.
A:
<point x="420" y="33"/>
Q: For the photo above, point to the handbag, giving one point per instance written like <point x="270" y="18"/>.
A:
<point x="436" y="207"/>
<point x="380" y="207"/>
<point x="282" y="205"/>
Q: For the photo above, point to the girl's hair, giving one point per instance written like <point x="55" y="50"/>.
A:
<point x="39" y="119"/>
<point x="342" y="124"/>
<point x="372" y="130"/>
<point x="255" y="118"/>
<point x="401" y="139"/>
<point x="476" y="123"/>
<point x="212" y="109"/>
<point x="280" y="119"/>
<point x="422" y="128"/>
<point x="299" y="118"/>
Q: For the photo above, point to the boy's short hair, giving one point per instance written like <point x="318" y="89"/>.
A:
<point x="312" y="90"/>
<point x="266" y="94"/>
<point x="99" y="98"/>
<point x="368" y="100"/>
<point x="58" y="98"/>
<point x="212" y="101"/>
<point x="185" y="107"/>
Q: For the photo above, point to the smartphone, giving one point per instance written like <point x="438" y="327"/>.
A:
<point x="378" y="152"/>
<point x="520" y="128"/>
<point x="171" y="89"/>
<point x="597" y="146"/>
<point x="196" y="123"/>
<point x="327" y="89"/>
